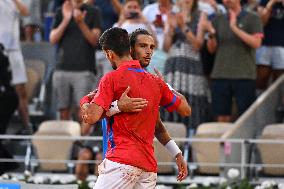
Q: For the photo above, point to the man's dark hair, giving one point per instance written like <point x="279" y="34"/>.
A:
<point x="138" y="1"/>
<point x="117" y="40"/>
<point x="133" y="35"/>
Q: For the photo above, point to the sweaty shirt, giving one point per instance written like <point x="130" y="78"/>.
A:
<point x="130" y="135"/>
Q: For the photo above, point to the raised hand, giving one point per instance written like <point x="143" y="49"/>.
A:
<point x="205" y="25"/>
<point x="79" y="15"/>
<point x="158" y="73"/>
<point x="233" y="18"/>
<point x="127" y="104"/>
<point x="67" y="10"/>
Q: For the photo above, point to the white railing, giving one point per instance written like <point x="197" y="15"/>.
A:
<point x="242" y="165"/>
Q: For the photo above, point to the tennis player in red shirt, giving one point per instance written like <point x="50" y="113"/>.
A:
<point x="130" y="161"/>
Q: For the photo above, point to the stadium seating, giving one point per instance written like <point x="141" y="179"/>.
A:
<point x="209" y="152"/>
<point x="272" y="153"/>
<point x="55" y="149"/>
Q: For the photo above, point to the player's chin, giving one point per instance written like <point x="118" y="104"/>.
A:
<point x="146" y="62"/>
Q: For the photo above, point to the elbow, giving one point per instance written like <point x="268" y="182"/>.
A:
<point x="256" y="42"/>
<point x="25" y="12"/>
<point x="197" y="46"/>
<point x="186" y="112"/>
<point x="52" y="39"/>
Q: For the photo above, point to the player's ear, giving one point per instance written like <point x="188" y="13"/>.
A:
<point x="108" y="54"/>
<point x="111" y="55"/>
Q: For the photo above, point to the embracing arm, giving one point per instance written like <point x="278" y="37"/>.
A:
<point x="92" y="113"/>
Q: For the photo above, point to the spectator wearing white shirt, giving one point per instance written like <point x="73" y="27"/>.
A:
<point x="10" y="13"/>
<point x="156" y="14"/>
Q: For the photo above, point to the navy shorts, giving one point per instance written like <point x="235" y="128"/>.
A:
<point x="223" y="91"/>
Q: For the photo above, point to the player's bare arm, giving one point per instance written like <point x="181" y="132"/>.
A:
<point x="164" y="138"/>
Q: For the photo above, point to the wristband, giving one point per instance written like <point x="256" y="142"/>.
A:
<point x="84" y="100"/>
<point x="113" y="109"/>
<point x="172" y="147"/>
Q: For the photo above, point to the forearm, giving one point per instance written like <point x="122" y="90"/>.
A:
<point x="57" y="33"/>
<point x="249" y="39"/>
<point x="164" y="138"/>
<point x="92" y="37"/>
<point x="265" y="12"/>
<point x="211" y="44"/>
<point x="92" y="113"/>
<point x="196" y="41"/>
<point x="23" y="10"/>
<point x="161" y="133"/>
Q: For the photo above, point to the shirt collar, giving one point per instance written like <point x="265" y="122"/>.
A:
<point x="129" y="63"/>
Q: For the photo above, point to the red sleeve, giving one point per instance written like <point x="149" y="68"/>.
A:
<point x="105" y="93"/>
<point x="169" y="100"/>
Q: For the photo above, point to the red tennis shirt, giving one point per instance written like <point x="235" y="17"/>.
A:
<point x="130" y="135"/>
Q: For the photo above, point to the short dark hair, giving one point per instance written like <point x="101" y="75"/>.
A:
<point x="133" y="35"/>
<point x="117" y="40"/>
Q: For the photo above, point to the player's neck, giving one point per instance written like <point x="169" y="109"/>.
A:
<point x="123" y="59"/>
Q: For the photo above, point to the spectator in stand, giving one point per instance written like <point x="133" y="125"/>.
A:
<point x="76" y="31"/>
<point x="211" y="8"/>
<point x="131" y="18"/>
<point x="183" y="69"/>
<point x="238" y="34"/>
<point x="156" y="14"/>
<point x="270" y="57"/>
<point x="32" y="23"/>
<point x="10" y="38"/>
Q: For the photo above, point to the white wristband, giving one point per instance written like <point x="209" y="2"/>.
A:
<point x="172" y="147"/>
<point x="113" y="109"/>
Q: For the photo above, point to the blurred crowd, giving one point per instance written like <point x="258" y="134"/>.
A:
<point x="219" y="54"/>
